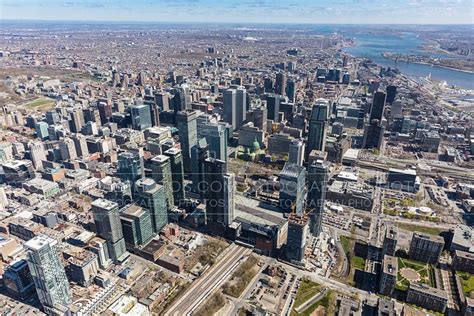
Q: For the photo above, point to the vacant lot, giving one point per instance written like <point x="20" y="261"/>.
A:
<point x="212" y="305"/>
<point x="241" y="277"/>
<point x="205" y="254"/>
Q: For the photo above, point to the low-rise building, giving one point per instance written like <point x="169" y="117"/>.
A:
<point x="353" y="194"/>
<point x="427" y="297"/>
<point x="405" y="180"/>
<point x="41" y="186"/>
<point x="463" y="239"/>
<point x="463" y="261"/>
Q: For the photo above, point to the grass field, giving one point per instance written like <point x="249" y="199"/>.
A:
<point x="328" y="302"/>
<point x="421" y="229"/>
<point x="358" y="263"/>
<point x="354" y="261"/>
<point x="424" y="270"/>
<point x="306" y="290"/>
<point x="345" y="243"/>
<point x="41" y="103"/>
<point x="467" y="281"/>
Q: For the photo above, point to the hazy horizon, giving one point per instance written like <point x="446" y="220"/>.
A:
<point x="385" y="12"/>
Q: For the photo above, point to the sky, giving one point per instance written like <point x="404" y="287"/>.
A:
<point x="242" y="11"/>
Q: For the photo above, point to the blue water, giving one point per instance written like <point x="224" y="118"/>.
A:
<point x="372" y="45"/>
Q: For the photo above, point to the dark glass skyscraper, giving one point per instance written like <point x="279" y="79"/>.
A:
<point x="280" y="83"/>
<point x="129" y="166"/>
<point x="317" y="185"/>
<point x="18" y="280"/>
<point x="317" y="126"/>
<point x="105" y="111"/>
<point x="187" y="129"/>
<point x="230" y="107"/>
<point x="374" y="130"/>
<point x="291" y="90"/>
<point x="177" y="174"/>
<point x="391" y="93"/>
<point x="378" y="106"/>
<point x="297" y="234"/>
<point x="273" y="106"/>
<point x="136" y="225"/>
<point x="216" y="136"/>
<point x="179" y="101"/>
<point x="200" y="153"/>
<point x="219" y="192"/>
<point x="373" y="135"/>
<point x="241" y="106"/>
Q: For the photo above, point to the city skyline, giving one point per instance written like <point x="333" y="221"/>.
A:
<point x="261" y="11"/>
<point x="179" y="157"/>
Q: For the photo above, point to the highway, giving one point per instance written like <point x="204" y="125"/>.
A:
<point x="211" y="280"/>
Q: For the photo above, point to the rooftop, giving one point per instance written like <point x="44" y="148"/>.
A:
<point x="173" y="151"/>
<point x="429" y="290"/>
<point x="292" y="170"/>
<point x="104" y="204"/>
<point x="40" y="241"/>
<point x="256" y="212"/>
<point x="390" y="265"/>
<point x="464" y="236"/>
<point x="132" y="210"/>
<point x="160" y="158"/>
<point x="406" y="171"/>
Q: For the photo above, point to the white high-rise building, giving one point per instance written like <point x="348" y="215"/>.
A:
<point x="6" y="151"/>
<point x="48" y="273"/>
<point x="3" y="199"/>
<point x="296" y="152"/>
<point x="229" y="200"/>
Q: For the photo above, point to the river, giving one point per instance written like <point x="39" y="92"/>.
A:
<point x="372" y="45"/>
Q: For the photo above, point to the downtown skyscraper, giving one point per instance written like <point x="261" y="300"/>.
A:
<point x="187" y="131"/>
<point x="177" y="174"/>
<point x="374" y="130"/>
<point x="292" y="188"/>
<point x="108" y="227"/>
<point x="317" y="186"/>
<point x="151" y="196"/>
<point x="160" y="168"/>
<point x="235" y="106"/>
<point x="219" y="192"/>
<point x="216" y="136"/>
<point x="48" y="274"/>
<point x="318" y="125"/>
